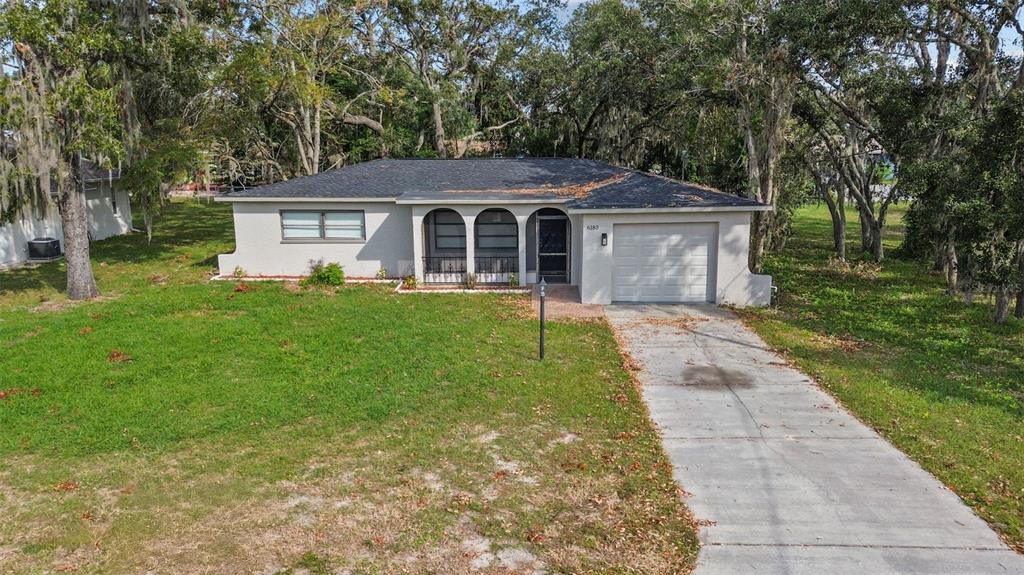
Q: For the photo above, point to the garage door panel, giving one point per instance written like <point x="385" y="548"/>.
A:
<point x="679" y="266"/>
<point x="683" y="278"/>
<point x="662" y="262"/>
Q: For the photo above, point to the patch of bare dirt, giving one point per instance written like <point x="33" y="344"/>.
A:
<point x="357" y="505"/>
<point x="61" y="305"/>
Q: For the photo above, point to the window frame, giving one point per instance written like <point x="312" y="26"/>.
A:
<point x="479" y="227"/>
<point x="439" y="236"/>
<point x="322" y="239"/>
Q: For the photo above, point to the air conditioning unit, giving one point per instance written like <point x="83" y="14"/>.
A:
<point x="43" y="249"/>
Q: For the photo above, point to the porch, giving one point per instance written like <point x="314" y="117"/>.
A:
<point x="516" y="245"/>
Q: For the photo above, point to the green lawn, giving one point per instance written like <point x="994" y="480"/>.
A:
<point x="937" y="378"/>
<point x="181" y="425"/>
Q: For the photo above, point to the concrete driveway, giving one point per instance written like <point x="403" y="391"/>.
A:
<point x="790" y="482"/>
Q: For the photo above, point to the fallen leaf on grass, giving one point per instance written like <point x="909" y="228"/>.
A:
<point x="842" y="343"/>
<point x="66" y="485"/>
<point x="118" y="356"/>
<point x="8" y="393"/>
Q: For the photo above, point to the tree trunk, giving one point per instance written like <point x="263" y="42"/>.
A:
<point x="866" y="240"/>
<point x="951" y="266"/>
<point x="73" y="217"/>
<point x="760" y="224"/>
<point x="877" y="248"/>
<point x="840" y="234"/>
<point x="1002" y="313"/>
<point x="837" y="211"/>
<point x="147" y="216"/>
<point x="439" y="146"/>
<point x="1019" y="311"/>
<point x="939" y="259"/>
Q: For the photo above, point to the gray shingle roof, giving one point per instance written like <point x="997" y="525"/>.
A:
<point x="93" y="172"/>
<point x="582" y="184"/>
<point x="643" y="190"/>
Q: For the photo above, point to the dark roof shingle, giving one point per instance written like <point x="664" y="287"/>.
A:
<point x="582" y="184"/>
<point x="93" y="172"/>
<point x="643" y="190"/>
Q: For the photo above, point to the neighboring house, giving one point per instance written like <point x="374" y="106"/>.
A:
<point x="108" y="211"/>
<point x="620" y="235"/>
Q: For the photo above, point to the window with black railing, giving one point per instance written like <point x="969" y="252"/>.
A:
<point x="444" y="269"/>
<point x="497" y="264"/>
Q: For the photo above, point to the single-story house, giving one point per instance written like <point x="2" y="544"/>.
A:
<point x="620" y="235"/>
<point x="107" y="208"/>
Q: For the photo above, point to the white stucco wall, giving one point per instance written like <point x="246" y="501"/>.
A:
<point x="260" y="250"/>
<point x="103" y="221"/>
<point x="733" y="282"/>
<point x="45" y="222"/>
<point x="30" y="224"/>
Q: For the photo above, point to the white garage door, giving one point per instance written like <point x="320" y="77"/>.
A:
<point x="663" y="262"/>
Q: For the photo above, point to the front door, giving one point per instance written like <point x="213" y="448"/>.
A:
<point x="553" y="249"/>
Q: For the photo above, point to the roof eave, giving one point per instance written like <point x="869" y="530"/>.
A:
<point x="496" y="200"/>
<point x="302" y="199"/>
<point x="678" y="209"/>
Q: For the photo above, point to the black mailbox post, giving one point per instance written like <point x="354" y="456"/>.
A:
<point x="543" y="284"/>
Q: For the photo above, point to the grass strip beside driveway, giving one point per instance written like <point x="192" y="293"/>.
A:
<point x="935" y="377"/>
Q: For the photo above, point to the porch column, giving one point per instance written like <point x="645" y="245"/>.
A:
<point x="469" y="218"/>
<point x="417" y="242"/>
<point x="521" y="225"/>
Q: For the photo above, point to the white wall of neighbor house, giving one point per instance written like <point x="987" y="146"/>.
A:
<point x="260" y="249"/>
<point x="31" y="223"/>
<point x="44" y="222"/>
<point x="109" y="211"/>
<point x="730" y="281"/>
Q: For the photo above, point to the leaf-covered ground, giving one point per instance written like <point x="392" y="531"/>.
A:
<point x="937" y="378"/>
<point x="186" y="426"/>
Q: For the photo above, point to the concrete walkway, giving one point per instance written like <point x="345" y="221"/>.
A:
<point x="791" y="482"/>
